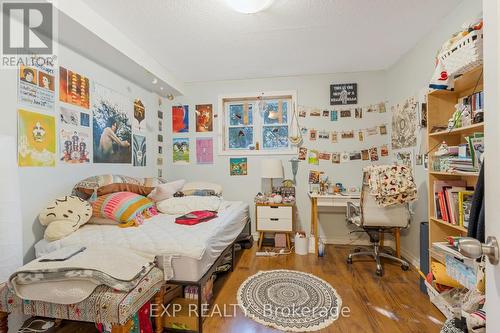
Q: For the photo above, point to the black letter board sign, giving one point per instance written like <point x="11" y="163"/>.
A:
<point x="344" y="93"/>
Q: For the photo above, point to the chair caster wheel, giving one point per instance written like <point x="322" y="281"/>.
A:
<point x="405" y="267"/>
<point x="379" y="272"/>
<point x="349" y="261"/>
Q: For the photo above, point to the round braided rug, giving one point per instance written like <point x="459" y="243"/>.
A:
<point x="289" y="300"/>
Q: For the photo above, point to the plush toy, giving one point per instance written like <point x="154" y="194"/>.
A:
<point x="64" y="216"/>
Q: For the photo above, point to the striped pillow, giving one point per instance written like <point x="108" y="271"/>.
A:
<point x="126" y="208"/>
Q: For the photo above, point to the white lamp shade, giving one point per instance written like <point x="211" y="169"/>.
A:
<point x="272" y="168"/>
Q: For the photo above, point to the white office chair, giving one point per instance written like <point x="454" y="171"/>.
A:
<point x="375" y="220"/>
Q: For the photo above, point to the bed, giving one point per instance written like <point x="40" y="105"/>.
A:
<point x="185" y="253"/>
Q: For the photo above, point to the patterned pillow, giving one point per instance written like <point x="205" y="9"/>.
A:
<point x="126" y="208"/>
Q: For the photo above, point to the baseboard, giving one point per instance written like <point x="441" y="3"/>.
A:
<point x="413" y="260"/>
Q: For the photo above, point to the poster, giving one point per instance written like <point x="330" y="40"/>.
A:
<point x="36" y="87"/>
<point x="204" y="118"/>
<point x="36" y="141"/>
<point x="404" y="125"/>
<point x="74" y="88"/>
<point x="238" y="166"/>
<point x="74" y="145"/>
<point x="139" y="150"/>
<point x="180" y="150"/>
<point x="344" y="93"/>
<point x="204" y="151"/>
<point x="138" y="122"/>
<point x="112" y="129"/>
<point x="180" y="119"/>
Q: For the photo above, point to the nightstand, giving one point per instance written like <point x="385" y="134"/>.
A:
<point x="272" y="217"/>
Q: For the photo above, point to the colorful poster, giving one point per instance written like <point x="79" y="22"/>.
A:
<point x="74" y="145"/>
<point x="204" y="151"/>
<point x="238" y="166"/>
<point x="36" y="142"/>
<point x="180" y="150"/>
<point x="139" y="150"/>
<point x="138" y="123"/>
<point x="36" y="87"/>
<point x="112" y="129"/>
<point x="180" y="119"/>
<point x="204" y="118"/>
<point x="74" y="88"/>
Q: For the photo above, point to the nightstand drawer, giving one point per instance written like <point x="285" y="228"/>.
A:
<point x="280" y="212"/>
<point x="275" y="224"/>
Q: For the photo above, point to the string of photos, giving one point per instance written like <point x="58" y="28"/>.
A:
<point x="373" y="154"/>
<point x="159" y="158"/>
<point x="344" y="112"/>
<point x="334" y="136"/>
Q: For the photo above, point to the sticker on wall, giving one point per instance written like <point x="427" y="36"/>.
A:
<point x="36" y="87"/>
<point x="74" y="88"/>
<point x="384" y="151"/>
<point x="345" y="113"/>
<point x="336" y="158"/>
<point x="204" y="151"/>
<point x="238" y="166"/>
<point x="361" y="136"/>
<point x="313" y="134"/>
<point x="36" y="141"/>
<point x="324" y="135"/>
<point x="302" y="153"/>
<point x="373" y="154"/>
<point x="313" y="157"/>
<point x="74" y="145"/>
<point x="139" y="150"/>
<point x="180" y="150"/>
<point x="348" y="135"/>
<point x="180" y="119"/>
<point x="112" y="128"/>
<point x="343" y="94"/>
<point x="334" y="115"/>
<point x="364" y="155"/>
<point x="204" y="118"/>
<point x="358" y="113"/>
<point x="138" y="122"/>
<point x="326" y="113"/>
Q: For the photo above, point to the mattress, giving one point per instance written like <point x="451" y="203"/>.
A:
<point x="185" y="253"/>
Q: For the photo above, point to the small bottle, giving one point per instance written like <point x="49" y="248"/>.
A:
<point x="321" y="248"/>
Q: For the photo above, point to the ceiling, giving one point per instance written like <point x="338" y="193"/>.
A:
<point x="204" y="40"/>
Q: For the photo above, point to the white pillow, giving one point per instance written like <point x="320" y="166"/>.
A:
<point x="203" y="186"/>
<point x="166" y="191"/>
<point x="188" y="204"/>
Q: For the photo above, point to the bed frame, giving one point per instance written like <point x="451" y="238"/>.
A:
<point x="199" y="284"/>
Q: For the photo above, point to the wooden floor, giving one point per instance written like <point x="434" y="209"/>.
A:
<point x="392" y="303"/>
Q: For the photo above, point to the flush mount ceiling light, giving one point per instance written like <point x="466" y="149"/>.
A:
<point x="249" y="6"/>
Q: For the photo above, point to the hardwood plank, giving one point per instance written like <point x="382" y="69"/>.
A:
<point x="392" y="303"/>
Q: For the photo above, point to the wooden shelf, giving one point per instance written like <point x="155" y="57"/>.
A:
<point x="449" y="225"/>
<point x="460" y="130"/>
<point x="464" y="84"/>
<point x="462" y="174"/>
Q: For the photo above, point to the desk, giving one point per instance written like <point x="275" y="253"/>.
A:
<point x="328" y="200"/>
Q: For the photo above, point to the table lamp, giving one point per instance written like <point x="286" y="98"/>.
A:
<point x="272" y="168"/>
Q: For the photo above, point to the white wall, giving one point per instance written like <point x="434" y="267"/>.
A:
<point x="408" y="77"/>
<point x="312" y="91"/>
<point x="40" y="185"/>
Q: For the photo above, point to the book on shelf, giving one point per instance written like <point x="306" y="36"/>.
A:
<point x="464" y="206"/>
<point x="441" y="207"/>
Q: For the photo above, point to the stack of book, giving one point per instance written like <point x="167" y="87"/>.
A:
<point x="453" y="200"/>
<point x="463" y="165"/>
<point x="476" y="104"/>
<point x="475" y="144"/>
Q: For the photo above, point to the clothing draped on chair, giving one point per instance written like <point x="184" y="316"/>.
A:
<point x="391" y="184"/>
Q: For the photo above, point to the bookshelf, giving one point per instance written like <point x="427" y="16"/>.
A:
<point x="440" y="107"/>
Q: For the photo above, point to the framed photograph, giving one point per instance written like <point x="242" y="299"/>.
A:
<point x="344" y="94"/>
<point x="238" y="166"/>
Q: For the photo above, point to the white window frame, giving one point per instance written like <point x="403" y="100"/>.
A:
<point x="257" y="123"/>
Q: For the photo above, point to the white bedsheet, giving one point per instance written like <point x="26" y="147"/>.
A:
<point x="160" y="236"/>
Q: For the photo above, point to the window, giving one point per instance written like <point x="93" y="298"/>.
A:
<point x="256" y="125"/>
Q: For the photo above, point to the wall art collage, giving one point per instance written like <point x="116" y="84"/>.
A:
<point x="97" y="125"/>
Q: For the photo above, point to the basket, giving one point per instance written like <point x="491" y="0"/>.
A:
<point x="465" y="54"/>
<point x="442" y="302"/>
